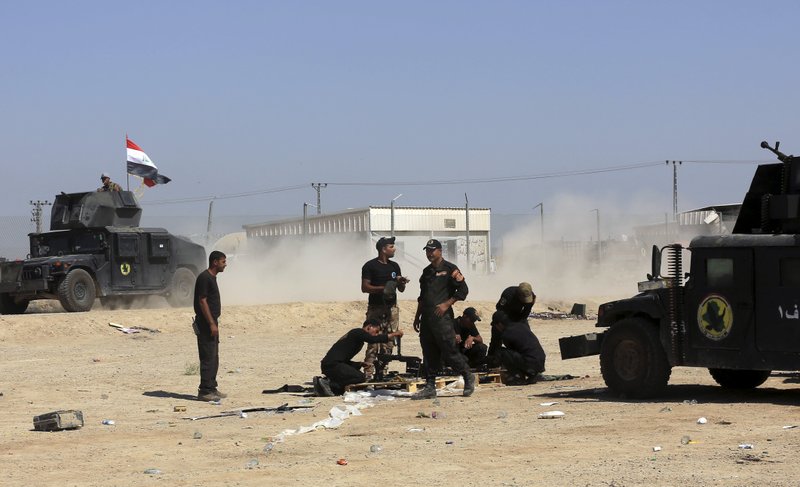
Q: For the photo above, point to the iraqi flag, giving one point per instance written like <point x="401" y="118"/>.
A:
<point x="141" y="165"/>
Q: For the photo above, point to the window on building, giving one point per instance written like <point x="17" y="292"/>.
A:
<point x="449" y="223"/>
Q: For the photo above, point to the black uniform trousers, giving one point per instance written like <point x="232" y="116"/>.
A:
<point x="515" y="363"/>
<point x="208" y="348"/>
<point x="476" y="355"/>
<point x="341" y="374"/>
<point x="438" y="341"/>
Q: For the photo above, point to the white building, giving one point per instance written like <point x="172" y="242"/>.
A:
<point x="412" y="227"/>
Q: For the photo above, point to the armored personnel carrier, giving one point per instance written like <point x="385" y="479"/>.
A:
<point x="735" y="313"/>
<point x="95" y="249"/>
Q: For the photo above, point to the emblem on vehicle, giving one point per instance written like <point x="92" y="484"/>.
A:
<point x="125" y="268"/>
<point x="715" y="317"/>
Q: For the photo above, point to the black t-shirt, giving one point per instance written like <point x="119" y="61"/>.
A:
<point x="206" y="287"/>
<point x="350" y="344"/>
<point x="379" y="274"/>
<point x="465" y="331"/>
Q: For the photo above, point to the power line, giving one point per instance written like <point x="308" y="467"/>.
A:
<point x="549" y="175"/>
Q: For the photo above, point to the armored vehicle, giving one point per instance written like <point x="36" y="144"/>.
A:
<point x="736" y="312"/>
<point x="95" y="248"/>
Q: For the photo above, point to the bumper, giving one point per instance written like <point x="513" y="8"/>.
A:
<point x="580" y="345"/>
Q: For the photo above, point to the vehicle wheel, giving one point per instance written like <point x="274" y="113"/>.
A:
<point x="77" y="291"/>
<point x="181" y="292"/>
<point x="739" y="379"/>
<point x="10" y="306"/>
<point x="632" y="359"/>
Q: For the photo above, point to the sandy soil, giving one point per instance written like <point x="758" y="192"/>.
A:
<point x="56" y="360"/>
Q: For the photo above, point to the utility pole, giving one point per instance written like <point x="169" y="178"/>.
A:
<point x="37" y="213"/>
<point x="598" y="233"/>
<point x="541" y="220"/>
<point x="305" y="218"/>
<point x="466" y="215"/>
<point x="675" y="165"/>
<point x="391" y="212"/>
<point x="208" y="226"/>
<point x="318" y="187"/>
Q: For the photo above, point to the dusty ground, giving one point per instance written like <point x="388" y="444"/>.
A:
<point x="57" y="360"/>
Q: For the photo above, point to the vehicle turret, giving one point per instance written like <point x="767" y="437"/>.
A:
<point x="95" y="209"/>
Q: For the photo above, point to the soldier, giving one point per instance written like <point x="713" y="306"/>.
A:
<point x="513" y="345"/>
<point x="207" y="309"/>
<point x="108" y="184"/>
<point x="380" y="278"/>
<point x="338" y="367"/>
<point x="469" y="340"/>
<point x="441" y="285"/>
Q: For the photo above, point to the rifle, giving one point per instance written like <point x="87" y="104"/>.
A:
<point x="283" y="408"/>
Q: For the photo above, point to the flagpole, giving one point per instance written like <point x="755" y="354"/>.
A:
<point x="127" y="176"/>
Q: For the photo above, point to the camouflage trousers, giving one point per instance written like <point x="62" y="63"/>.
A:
<point x="388" y="325"/>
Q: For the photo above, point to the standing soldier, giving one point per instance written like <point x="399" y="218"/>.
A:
<point x="380" y="277"/>
<point x="108" y="184"/>
<point x="441" y="285"/>
<point x="207" y="309"/>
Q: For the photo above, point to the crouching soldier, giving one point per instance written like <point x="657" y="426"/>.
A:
<point x="338" y="365"/>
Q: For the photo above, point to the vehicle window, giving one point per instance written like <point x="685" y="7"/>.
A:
<point x="719" y="272"/>
<point x="88" y="242"/>
<point x="790" y="272"/>
<point x="128" y="246"/>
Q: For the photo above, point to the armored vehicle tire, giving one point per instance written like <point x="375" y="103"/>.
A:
<point x="632" y="361"/>
<point x="9" y="306"/>
<point x="181" y="292"/>
<point x="77" y="291"/>
<point x="739" y="379"/>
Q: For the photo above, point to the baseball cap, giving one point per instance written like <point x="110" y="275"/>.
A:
<point x="526" y="292"/>
<point x="105" y="175"/>
<point x="472" y="314"/>
<point x="383" y="241"/>
<point x="371" y="322"/>
<point x="432" y="244"/>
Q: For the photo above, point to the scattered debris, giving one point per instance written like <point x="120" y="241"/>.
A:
<point x="690" y="401"/>
<point x="197" y="435"/>
<point x="548" y="404"/>
<point x="179" y="409"/>
<point x="109" y="422"/>
<point x="656" y="448"/>
<point x="502" y="415"/>
<point x="551" y="415"/>
<point x="375" y="449"/>
<point x="242" y="413"/>
<point x="423" y="415"/>
<point x="723" y="422"/>
<point x="685" y="440"/>
<point x="415" y="430"/>
<point x="152" y="471"/>
<point x="702" y="421"/>
<point x="67" y="419"/>
<point x="746" y="446"/>
<point x="132" y="329"/>
<point x="341" y="461"/>
<point x="252" y="463"/>
<point x="665" y="409"/>
<point x="790" y="426"/>
<point x="448" y="442"/>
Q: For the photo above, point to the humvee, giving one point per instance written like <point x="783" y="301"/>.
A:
<point x="736" y="311"/>
<point x="95" y="249"/>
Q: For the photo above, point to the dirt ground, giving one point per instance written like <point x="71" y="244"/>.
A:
<point x="55" y="360"/>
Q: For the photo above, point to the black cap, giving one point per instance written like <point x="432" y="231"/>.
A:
<point x="371" y="322"/>
<point x="472" y="314"/>
<point x="432" y="244"/>
<point x="383" y="241"/>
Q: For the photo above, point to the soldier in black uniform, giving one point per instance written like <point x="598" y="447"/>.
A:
<point x="207" y="309"/>
<point x="513" y="344"/>
<point x="338" y="365"/>
<point x="441" y="285"/>
<point x="469" y="340"/>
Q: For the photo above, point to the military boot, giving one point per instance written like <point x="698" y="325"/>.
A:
<point x="469" y="384"/>
<point x="428" y="392"/>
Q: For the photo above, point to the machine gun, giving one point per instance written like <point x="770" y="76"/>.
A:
<point x="413" y="364"/>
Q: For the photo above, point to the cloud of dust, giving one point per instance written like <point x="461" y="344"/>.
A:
<point x="566" y="269"/>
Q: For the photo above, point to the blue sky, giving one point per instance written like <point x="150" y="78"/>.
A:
<point x="246" y="96"/>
